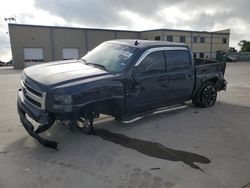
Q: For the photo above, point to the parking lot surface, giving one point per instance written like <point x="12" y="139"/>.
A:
<point x="189" y="148"/>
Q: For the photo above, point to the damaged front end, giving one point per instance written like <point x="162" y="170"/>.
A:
<point x="35" y="133"/>
<point x="32" y="103"/>
<point x="58" y="108"/>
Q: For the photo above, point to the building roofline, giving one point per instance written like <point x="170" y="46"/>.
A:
<point x="117" y="30"/>
<point x="68" y="27"/>
<point x="182" y="30"/>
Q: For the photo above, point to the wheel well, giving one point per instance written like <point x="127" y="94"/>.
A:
<point x="108" y="107"/>
<point x="214" y="80"/>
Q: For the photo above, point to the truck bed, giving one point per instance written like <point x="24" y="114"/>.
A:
<point x="205" y="66"/>
<point x="206" y="69"/>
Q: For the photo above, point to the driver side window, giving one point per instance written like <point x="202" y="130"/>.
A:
<point x="153" y="63"/>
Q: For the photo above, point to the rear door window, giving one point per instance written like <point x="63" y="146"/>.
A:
<point x="177" y="60"/>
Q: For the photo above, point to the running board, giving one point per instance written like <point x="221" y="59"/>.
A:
<point x="133" y="120"/>
<point x="158" y="111"/>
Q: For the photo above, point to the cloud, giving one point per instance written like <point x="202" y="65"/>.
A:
<point x="89" y="12"/>
<point x="130" y="14"/>
<point x="98" y="13"/>
<point x="148" y="14"/>
<point x="5" y="53"/>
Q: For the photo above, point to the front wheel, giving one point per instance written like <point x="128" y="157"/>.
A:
<point x="206" y="96"/>
<point x="86" y="126"/>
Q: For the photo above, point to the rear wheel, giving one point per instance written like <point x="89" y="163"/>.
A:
<point x="206" y="96"/>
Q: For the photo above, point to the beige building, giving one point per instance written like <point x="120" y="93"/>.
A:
<point x="32" y="44"/>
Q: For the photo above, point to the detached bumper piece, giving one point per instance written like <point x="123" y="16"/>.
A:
<point x="35" y="133"/>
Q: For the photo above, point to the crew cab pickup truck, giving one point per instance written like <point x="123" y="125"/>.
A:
<point x="125" y="79"/>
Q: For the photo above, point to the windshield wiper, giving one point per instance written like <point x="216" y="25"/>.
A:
<point x="97" y="65"/>
<point x="84" y="60"/>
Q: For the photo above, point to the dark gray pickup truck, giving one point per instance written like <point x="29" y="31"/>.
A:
<point x="125" y="79"/>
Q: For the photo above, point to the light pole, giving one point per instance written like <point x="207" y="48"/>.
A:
<point x="10" y="19"/>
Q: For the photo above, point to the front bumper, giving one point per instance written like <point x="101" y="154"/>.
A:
<point x="34" y="112"/>
<point x="23" y="108"/>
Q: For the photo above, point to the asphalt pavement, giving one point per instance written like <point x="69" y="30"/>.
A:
<point x="188" y="148"/>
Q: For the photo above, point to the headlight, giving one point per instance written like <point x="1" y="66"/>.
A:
<point x="62" y="103"/>
<point x="62" y="99"/>
<point x="59" y="103"/>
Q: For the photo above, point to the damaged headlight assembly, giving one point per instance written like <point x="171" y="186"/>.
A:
<point x="60" y="103"/>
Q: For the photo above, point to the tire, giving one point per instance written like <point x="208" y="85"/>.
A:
<point x="206" y="96"/>
<point x="86" y="126"/>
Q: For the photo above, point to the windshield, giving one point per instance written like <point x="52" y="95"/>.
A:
<point x="112" y="57"/>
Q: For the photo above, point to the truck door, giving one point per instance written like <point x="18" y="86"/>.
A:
<point x="180" y="74"/>
<point x="150" y="83"/>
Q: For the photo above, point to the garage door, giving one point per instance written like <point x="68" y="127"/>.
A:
<point x="33" y="56"/>
<point x="70" y="53"/>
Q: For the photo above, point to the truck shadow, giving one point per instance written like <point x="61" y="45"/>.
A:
<point x="153" y="149"/>
<point x="78" y="147"/>
<point x="107" y="130"/>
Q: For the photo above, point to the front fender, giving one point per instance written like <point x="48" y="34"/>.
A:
<point x="100" y="92"/>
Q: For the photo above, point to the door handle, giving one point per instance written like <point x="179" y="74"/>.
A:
<point x="189" y="76"/>
<point x="163" y="81"/>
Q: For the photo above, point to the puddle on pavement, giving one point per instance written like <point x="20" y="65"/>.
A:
<point x="153" y="149"/>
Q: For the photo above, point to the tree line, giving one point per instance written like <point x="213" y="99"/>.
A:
<point x="244" y="46"/>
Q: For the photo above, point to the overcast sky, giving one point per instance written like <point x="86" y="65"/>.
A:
<point x="209" y="15"/>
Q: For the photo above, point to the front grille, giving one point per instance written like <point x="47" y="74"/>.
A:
<point x="33" y="96"/>
<point x="33" y="101"/>
<point x="32" y="90"/>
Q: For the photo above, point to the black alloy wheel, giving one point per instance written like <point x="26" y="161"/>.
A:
<point x="208" y="95"/>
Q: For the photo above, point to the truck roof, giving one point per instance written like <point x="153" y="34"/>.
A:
<point x="146" y="43"/>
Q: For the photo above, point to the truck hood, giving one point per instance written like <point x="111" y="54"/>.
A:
<point x="63" y="73"/>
